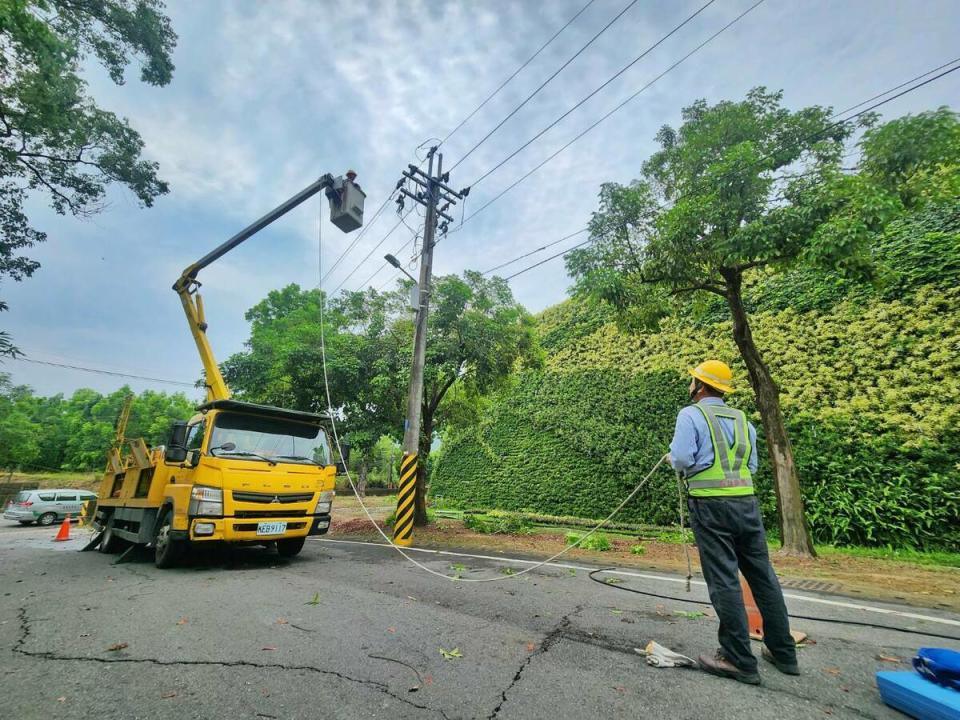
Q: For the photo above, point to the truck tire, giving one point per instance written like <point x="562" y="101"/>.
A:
<point x="166" y="550"/>
<point x="289" y="547"/>
<point x="109" y="543"/>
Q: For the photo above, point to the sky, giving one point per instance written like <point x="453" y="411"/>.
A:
<point x="268" y="96"/>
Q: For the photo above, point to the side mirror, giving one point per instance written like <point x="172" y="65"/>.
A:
<point x="344" y="458"/>
<point x="177" y="447"/>
<point x="193" y="458"/>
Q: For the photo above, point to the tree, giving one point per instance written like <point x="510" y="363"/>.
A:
<point x="476" y="333"/>
<point x="741" y="186"/>
<point x="53" y="138"/>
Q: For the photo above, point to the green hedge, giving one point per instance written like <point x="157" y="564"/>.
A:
<point x="869" y="390"/>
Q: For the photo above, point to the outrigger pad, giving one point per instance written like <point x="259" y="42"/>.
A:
<point x="94" y="542"/>
<point x="916" y="696"/>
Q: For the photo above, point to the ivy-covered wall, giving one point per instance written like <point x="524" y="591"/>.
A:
<point x="870" y="385"/>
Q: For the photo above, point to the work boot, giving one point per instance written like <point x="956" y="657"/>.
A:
<point x="786" y="668"/>
<point x="720" y="666"/>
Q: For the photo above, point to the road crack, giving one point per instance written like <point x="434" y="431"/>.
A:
<point x="551" y="639"/>
<point x="20" y="648"/>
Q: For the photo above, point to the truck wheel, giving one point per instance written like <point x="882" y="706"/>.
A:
<point x="289" y="547"/>
<point x="47" y="519"/>
<point x="166" y="550"/>
<point x="109" y="543"/>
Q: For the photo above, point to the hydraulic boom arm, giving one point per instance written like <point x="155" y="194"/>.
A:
<point x="346" y="212"/>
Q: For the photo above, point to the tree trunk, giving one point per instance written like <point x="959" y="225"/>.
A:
<point x="420" y="500"/>
<point x="362" y="479"/>
<point x="794" y="532"/>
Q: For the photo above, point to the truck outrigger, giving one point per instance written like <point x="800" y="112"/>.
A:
<point x="236" y="471"/>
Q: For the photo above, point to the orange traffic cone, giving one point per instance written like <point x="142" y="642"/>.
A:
<point x="64" y="532"/>
<point x="755" y="619"/>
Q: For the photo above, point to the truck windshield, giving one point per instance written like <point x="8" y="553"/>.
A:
<point x="262" y="438"/>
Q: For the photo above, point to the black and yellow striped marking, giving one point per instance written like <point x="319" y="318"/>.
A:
<point x="403" y="527"/>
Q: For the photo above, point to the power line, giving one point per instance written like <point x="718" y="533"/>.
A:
<point x="372" y="251"/>
<point x="534" y="252"/>
<point x="100" y="371"/>
<point x="616" y="109"/>
<point x="516" y="72"/>
<point x="613" y="77"/>
<point x="545" y="83"/>
<point x="810" y="138"/>
<point x="358" y="237"/>
<point x="887" y="92"/>
<point x="546" y="260"/>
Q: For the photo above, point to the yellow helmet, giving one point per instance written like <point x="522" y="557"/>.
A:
<point x="714" y="373"/>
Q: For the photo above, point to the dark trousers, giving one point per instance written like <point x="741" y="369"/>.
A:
<point x="730" y="537"/>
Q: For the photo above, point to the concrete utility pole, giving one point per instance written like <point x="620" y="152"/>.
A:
<point x="431" y="190"/>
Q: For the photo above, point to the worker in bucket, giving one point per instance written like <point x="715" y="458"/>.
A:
<point x="714" y="449"/>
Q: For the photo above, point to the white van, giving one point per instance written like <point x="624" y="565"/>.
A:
<point x="45" y="507"/>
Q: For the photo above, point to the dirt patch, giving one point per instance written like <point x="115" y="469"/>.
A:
<point x="919" y="585"/>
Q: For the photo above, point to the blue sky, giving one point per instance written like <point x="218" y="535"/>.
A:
<point x="268" y="96"/>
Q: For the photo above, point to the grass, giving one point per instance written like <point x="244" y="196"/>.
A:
<point x="919" y="557"/>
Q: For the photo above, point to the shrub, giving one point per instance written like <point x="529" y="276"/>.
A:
<point x="597" y="541"/>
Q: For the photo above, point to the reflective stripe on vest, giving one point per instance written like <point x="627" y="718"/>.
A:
<point x="729" y="474"/>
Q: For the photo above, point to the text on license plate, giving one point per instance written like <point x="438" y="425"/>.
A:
<point x="271" y="528"/>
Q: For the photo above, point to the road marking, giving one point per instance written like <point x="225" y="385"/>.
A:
<point x="645" y="576"/>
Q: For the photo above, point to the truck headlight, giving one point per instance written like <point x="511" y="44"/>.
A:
<point x="206" y="501"/>
<point x="324" y="503"/>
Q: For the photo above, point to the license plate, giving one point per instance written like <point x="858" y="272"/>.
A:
<point x="271" y="528"/>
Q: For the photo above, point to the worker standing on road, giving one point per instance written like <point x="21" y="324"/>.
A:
<point x="714" y="449"/>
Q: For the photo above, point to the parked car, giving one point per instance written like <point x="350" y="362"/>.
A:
<point x="45" y="507"/>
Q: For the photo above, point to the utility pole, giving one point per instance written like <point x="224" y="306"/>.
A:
<point x="429" y="189"/>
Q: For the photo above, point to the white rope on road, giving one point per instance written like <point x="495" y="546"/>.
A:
<point x="336" y="438"/>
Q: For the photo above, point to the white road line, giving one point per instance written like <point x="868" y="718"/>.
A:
<point x="644" y="576"/>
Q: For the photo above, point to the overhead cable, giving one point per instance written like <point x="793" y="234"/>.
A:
<point x="533" y="252"/>
<point x="100" y="371"/>
<point x="516" y="72"/>
<point x="545" y="83"/>
<point x="607" y="82"/>
<point x="619" y="107"/>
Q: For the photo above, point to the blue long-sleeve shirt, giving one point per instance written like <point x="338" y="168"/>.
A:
<point x="692" y="450"/>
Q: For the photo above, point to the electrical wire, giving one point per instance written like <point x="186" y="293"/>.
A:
<point x="544" y="84"/>
<point x="516" y="72"/>
<point x="811" y="138"/>
<point x="887" y="92"/>
<point x="533" y="252"/>
<point x="546" y="260"/>
<point x="359" y="236"/>
<point x="616" y="109"/>
<point x="100" y="371"/>
<point x="372" y="251"/>
<point x="596" y="90"/>
<point x="832" y="621"/>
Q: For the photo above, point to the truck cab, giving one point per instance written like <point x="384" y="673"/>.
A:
<point x="235" y="472"/>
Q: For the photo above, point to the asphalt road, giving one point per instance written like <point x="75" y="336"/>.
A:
<point x="353" y="631"/>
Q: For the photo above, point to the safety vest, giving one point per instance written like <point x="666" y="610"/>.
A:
<point x="729" y="474"/>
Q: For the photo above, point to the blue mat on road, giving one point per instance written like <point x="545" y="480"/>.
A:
<point x="916" y="696"/>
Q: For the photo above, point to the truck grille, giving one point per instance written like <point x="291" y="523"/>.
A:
<point x="266" y="498"/>
<point x="268" y="513"/>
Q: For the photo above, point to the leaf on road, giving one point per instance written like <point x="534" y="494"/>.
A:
<point x="391" y="629"/>
<point x="84" y="635"/>
<point x="61" y="699"/>
<point x="888" y="658"/>
<point x="281" y="621"/>
<point x="508" y="571"/>
<point x="613" y="581"/>
<point x="616" y="612"/>
<point x="118" y="646"/>
<point x="531" y="647"/>
<point x="268" y="647"/>
<point x="451" y="654"/>
<point x="315" y="600"/>
<point x="832" y="671"/>
<point x="182" y="621"/>
<point x="689" y="615"/>
<point x="168" y="695"/>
